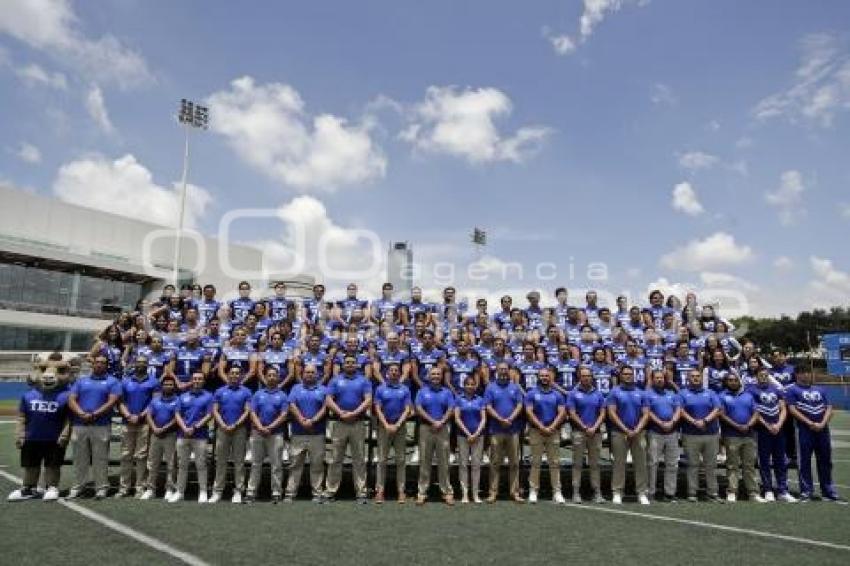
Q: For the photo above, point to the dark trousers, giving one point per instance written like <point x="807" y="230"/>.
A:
<point x="819" y="444"/>
<point x="771" y="452"/>
<point x="789" y="429"/>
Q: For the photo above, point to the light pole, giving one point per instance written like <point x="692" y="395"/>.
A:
<point x="191" y="116"/>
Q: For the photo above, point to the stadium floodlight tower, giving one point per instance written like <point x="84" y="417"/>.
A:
<point x="191" y="116"/>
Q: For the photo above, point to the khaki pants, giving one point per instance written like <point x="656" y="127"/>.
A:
<point x="270" y="446"/>
<point x="592" y="445"/>
<point x="398" y="442"/>
<point x="351" y="435"/>
<point x="187" y="447"/>
<point x="431" y="441"/>
<point x="161" y="447"/>
<point x="91" y="450"/>
<point x="620" y="446"/>
<point x="501" y="446"/>
<point x="470" y="456"/>
<point x="551" y="445"/>
<point x="230" y="445"/>
<point x="299" y="446"/>
<point x="663" y="447"/>
<point x="134" y="455"/>
<point x="741" y="461"/>
<point x="701" y="448"/>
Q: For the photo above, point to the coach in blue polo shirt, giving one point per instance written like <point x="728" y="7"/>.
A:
<point x="586" y="406"/>
<point x="434" y="405"/>
<point x="392" y="408"/>
<point x="628" y="414"/>
<point x="161" y="418"/>
<point x="700" y="434"/>
<point x="349" y="396"/>
<point x="471" y="419"/>
<point x="738" y="415"/>
<point x="92" y="400"/>
<point x="504" y="405"/>
<point x="269" y="408"/>
<point x="193" y="416"/>
<point x="544" y="406"/>
<point x="309" y="408"/>
<point x="665" y="409"/>
<point x="231" y="409"/>
<point x="136" y="394"/>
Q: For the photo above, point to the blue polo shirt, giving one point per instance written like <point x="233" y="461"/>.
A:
<point x="45" y="413"/>
<point x="162" y="409"/>
<point x="738" y="406"/>
<point x="811" y="400"/>
<point x="503" y="398"/>
<point x="392" y="399"/>
<point x="587" y="404"/>
<point x="194" y="406"/>
<point x="231" y="402"/>
<point x="349" y="392"/>
<point x="545" y="404"/>
<point x="629" y="401"/>
<point x="268" y="404"/>
<point x="768" y="400"/>
<point x="662" y="404"/>
<point x="698" y="404"/>
<point x="435" y="402"/>
<point x="137" y="394"/>
<point x="92" y="392"/>
<point x="470" y="411"/>
<point x="309" y="401"/>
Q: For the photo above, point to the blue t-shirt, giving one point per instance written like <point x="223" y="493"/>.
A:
<point x="188" y="361"/>
<point x="587" y="404"/>
<point x="45" y="413"/>
<point x="503" y="397"/>
<point x="461" y="368"/>
<point x="768" y="400"/>
<point x="137" y="394"/>
<point x="470" y="411"/>
<point x="393" y="400"/>
<point x="630" y="402"/>
<point x="739" y="407"/>
<point x="349" y="392"/>
<point x="268" y="404"/>
<point x="162" y="409"/>
<point x="545" y="404"/>
<point x="811" y="400"/>
<point x="309" y="401"/>
<point x="786" y="375"/>
<point x="529" y="373"/>
<point x="662" y="404"/>
<point x="92" y="392"/>
<point x="435" y="402"/>
<point x="698" y="404"/>
<point x="231" y="402"/>
<point x="194" y="406"/>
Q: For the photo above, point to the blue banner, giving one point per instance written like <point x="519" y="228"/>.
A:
<point x="837" y="353"/>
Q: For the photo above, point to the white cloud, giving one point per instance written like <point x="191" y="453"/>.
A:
<point x="693" y="160"/>
<point x="783" y="263"/>
<point x="268" y="127"/>
<point x="719" y="280"/>
<point x="462" y="123"/>
<point x="33" y="74"/>
<point x="713" y="126"/>
<point x="788" y="197"/>
<point x="821" y="86"/>
<point x="28" y="153"/>
<point x="717" y="250"/>
<point x="744" y="143"/>
<point x="685" y="200"/>
<point x="844" y="210"/>
<point x="51" y="26"/>
<point x="593" y="13"/>
<point x="830" y="287"/>
<point x="562" y="43"/>
<point x="96" y="107"/>
<point x="663" y="94"/>
<point x="126" y="187"/>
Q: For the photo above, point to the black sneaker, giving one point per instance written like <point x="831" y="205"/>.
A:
<point x="670" y="499"/>
<point x="318" y="499"/>
<point x="835" y="498"/>
<point x="249" y="499"/>
<point x="805" y="497"/>
<point x="713" y="499"/>
<point x="362" y="501"/>
<point x="275" y="499"/>
<point x="287" y="499"/>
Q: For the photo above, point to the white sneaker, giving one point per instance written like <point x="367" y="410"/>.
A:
<point x="787" y="498"/>
<point x="148" y="494"/>
<point x="558" y="499"/>
<point x="577" y="499"/>
<point x="643" y="499"/>
<point x="237" y="497"/>
<point x="52" y="494"/>
<point x="202" y="497"/>
<point x="758" y="498"/>
<point x="477" y="499"/>
<point x="169" y="493"/>
<point x="100" y="494"/>
<point x="731" y="497"/>
<point x="216" y="497"/>
<point x="769" y="497"/>
<point x="176" y="497"/>
<point x="532" y="496"/>
<point x="617" y="499"/>
<point x="20" y="495"/>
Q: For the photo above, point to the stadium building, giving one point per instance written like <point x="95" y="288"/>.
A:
<point x="400" y="268"/>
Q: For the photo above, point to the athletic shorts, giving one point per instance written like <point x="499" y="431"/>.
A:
<point x="34" y="452"/>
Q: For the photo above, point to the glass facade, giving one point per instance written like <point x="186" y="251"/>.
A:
<point x="41" y="340"/>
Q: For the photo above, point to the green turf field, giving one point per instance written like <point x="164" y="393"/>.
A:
<point x="349" y="534"/>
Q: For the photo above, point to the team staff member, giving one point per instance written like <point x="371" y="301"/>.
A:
<point x="770" y="436"/>
<point x="309" y="406"/>
<point x="136" y="394"/>
<point x="91" y="401"/>
<point x="628" y="413"/>
<point x="503" y="398"/>
<point x="471" y="418"/>
<point x="269" y="407"/>
<point x="586" y="406"/>
<point x="434" y="405"/>
<point x="700" y="434"/>
<point x="665" y="410"/>
<point x="231" y="409"/>
<point x="738" y="415"/>
<point x="349" y="396"/>
<point x="162" y="424"/>
<point x="193" y="416"/>
<point x="544" y="406"/>
<point x="392" y="408"/>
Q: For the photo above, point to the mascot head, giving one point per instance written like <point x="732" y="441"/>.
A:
<point x="50" y="371"/>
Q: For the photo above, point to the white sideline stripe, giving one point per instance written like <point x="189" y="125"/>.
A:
<point x="147" y="540"/>
<point x="715" y="526"/>
<point x="7" y="422"/>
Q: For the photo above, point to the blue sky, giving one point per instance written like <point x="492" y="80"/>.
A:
<point x="686" y="144"/>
